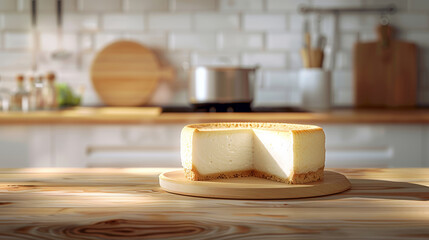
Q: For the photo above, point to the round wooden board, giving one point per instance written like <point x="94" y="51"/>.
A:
<point x="251" y="187"/>
<point x="125" y="73"/>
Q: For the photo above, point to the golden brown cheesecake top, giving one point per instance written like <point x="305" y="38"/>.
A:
<point x="252" y="125"/>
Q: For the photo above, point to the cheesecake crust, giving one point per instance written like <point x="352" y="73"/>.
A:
<point x="194" y="175"/>
<point x="295" y="178"/>
<point x="299" y="178"/>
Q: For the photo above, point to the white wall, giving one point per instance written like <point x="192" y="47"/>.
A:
<point x="216" y="32"/>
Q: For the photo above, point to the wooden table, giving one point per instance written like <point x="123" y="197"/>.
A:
<point x="128" y="204"/>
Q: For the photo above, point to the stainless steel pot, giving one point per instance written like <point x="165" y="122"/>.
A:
<point x="221" y="85"/>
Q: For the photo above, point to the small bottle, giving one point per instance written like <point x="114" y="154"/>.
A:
<point x="4" y="98"/>
<point x="50" y="92"/>
<point x="36" y="93"/>
<point x="32" y="93"/>
<point x="20" y="98"/>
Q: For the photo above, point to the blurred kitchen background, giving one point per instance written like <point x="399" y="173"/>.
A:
<point x="187" y="33"/>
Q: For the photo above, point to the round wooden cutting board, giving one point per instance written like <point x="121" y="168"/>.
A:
<point x="125" y="73"/>
<point x="251" y="187"/>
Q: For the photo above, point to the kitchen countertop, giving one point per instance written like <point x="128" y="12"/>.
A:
<point x="52" y="203"/>
<point x="104" y="115"/>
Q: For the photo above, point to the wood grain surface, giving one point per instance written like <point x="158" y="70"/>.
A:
<point x="126" y="73"/>
<point x="251" y="187"/>
<point x="139" y="115"/>
<point x="129" y="204"/>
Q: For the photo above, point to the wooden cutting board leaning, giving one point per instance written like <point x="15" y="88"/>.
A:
<point x="385" y="71"/>
<point x="126" y="73"/>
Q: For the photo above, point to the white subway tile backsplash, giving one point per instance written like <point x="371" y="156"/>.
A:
<point x="70" y="5"/>
<point x="47" y="6"/>
<point x="288" y="5"/>
<point x="343" y="98"/>
<point x="347" y="41"/>
<point x="90" y="97"/>
<point x="420" y="38"/>
<point x="275" y="79"/>
<point x="87" y="59"/>
<point x="410" y="21"/>
<point x="100" y="5"/>
<point x="15" y="60"/>
<point x="146" y="5"/>
<point x="21" y="4"/>
<point x="325" y="23"/>
<point x="342" y="80"/>
<point x="296" y="22"/>
<point x="367" y="36"/>
<point x="16" y="21"/>
<point x="180" y="61"/>
<point x="337" y="3"/>
<point x="8" y="5"/>
<point x="192" y="41"/>
<point x="344" y="60"/>
<point x="284" y="41"/>
<point x="46" y="22"/>
<point x="103" y="39"/>
<point x="85" y="22"/>
<point x="86" y="42"/>
<point x="50" y="42"/>
<point x="152" y="40"/>
<point x="418" y="5"/>
<point x="399" y="4"/>
<point x="215" y="21"/>
<point x="276" y="97"/>
<point x="241" y="5"/>
<point x="239" y="41"/>
<point x="211" y="32"/>
<point x="180" y="97"/>
<point x="266" y="60"/>
<point x="166" y="21"/>
<point x="264" y="22"/>
<point x="121" y="22"/>
<point x="194" y="5"/>
<point x="18" y="41"/>
<point x="295" y="60"/>
<point x="215" y="59"/>
<point x="176" y="58"/>
<point x="351" y="22"/>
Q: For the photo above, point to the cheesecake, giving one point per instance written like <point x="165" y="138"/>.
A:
<point x="289" y="153"/>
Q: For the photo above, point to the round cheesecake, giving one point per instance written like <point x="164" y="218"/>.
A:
<point x="289" y="153"/>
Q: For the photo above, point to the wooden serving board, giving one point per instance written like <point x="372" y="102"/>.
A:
<point x="251" y="187"/>
<point x="385" y="72"/>
<point x="126" y="73"/>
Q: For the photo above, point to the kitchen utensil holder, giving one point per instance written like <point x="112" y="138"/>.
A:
<point x="315" y="86"/>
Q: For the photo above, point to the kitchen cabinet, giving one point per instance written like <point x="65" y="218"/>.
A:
<point x="374" y="145"/>
<point x="158" y="145"/>
<point x="117" y="145"/>
<point x="26" y="146"/>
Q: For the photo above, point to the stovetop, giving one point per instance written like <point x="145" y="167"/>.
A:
<point x="188" y="109"/>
